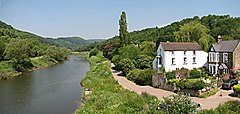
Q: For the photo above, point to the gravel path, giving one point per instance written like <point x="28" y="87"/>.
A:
<point x="207" y="103"/>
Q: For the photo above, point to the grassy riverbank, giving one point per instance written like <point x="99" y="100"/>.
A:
<point x="7" y="70"/>
<point x="107" y="96"/>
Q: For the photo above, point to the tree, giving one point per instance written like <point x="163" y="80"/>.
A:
<point x="18" y="51"/>
<point x="126" y="65"/>
<point x="194" y="32"/>
<point x="123" y="33"/>
<point x="54" y="53"/>
<point x="2" y="48"/>
<point x="130" y="51"/>
<point x="148" y="48"/>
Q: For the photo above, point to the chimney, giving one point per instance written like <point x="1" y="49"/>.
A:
<point x="219" y="39"/>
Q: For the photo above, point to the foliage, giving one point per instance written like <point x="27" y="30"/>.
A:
<point x="194" y="73"/>
<point x="195" y="84"/>
<point x="123" y="33"/>
<point x="148" y="48"/>
<point x="18" y="51"/>
<point x="145" y="77"/>
<point x="133" y="74"/>
<point x="143" y="61"/>
<point x="93" y="52"/>
<point x="236" y="88"/>
<point x="179" y="104"/>
<point x="126" y="65"/>
<point x="230" y="107"/>
<point x="108" y="97"/>
<point x="2" y="48"/>
<point x="209" y="93"/>
<point x="130" y="51"/>
<point x="171" y="74"/>
<point x="194" y="32"/>
<point x="54" y="53"/>
<point x="40" y="62"/>
<point x="6" y="70"/>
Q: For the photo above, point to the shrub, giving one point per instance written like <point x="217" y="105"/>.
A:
<point x="194" y="73"/>
<point x="126" y="65"/>
<point x="145" y="77"/>
<point x="171" y="75"/>
<point x="93" y="52"/>
<point x="179" y="104"/>
<point x="116" y="59"/>
<point x="236" y="88"/>
<point x="130" y="51"/>
<point x="191" y="84"/>
<point x="133" y="74"/>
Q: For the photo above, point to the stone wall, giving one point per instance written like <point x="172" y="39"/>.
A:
<point x="160" y="81"/>
<point x="236" y="58"/>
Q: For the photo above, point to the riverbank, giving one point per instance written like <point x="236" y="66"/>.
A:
<point x="102" y="94"/>
<point x="7" y="71"/>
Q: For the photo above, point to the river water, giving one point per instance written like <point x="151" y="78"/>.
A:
<point x="52" y="90"/>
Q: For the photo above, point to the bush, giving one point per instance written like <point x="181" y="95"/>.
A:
<point x="145" y="77"/>
<point x="171" y="75"/>
<point x="194" y="73"/>
<point x="143" y="61"/>
<point x="126" y="65"/>
<point x="179" y="104"/>
<point x="236" y="88"/>
<point x="130" y="51"/>
<point x="191" y="84"/>
<point x="93" y="52"/>
<point x="133" y="74"/>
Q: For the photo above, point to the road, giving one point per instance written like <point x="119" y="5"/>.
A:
<point x="206" y="103"/>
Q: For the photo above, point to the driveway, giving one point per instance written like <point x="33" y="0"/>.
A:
<point x="208" y="103"/>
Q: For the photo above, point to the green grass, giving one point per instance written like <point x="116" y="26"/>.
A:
<point x="6" y="69"/>
<point x="230" y="107"/>
<point x="108" y="96"/>
<point x="40" y="62"/>
<point x="209" y="93"/>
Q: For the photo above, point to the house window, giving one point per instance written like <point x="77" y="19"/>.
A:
<point x="172" y="52"/>
<point x="225" y="57"/>
<point x="160" y="60"/>
<point x="217" y="57"/>
<point x="185" y="52"/>
<point x="185" y="60"/>
<point x="173" y="61"/>
<point x="194" y="60"/>
<point x="194" y="52"/>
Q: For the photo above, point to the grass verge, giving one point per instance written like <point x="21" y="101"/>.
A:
<point x="107" y="96"/>
<point x="209" y="93"/>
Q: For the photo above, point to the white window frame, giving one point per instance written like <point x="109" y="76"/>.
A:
<point x="225" y="57"/>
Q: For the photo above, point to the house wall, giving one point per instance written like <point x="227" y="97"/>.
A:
<point x="155" y="63"/>
<point x="201" y="60"/>
<point x="236" y="57"/>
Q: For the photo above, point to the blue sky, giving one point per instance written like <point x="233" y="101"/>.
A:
<point x="99" y="18"/>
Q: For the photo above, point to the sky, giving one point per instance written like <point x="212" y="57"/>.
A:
<point x="92" y="19"/>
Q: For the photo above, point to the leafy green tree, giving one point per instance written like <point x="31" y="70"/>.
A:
<point x="143" y="61"/>
<point x="2" y="49"/>
<point x="126" y="65"/>
<point x="123" y="32"/>
<point x="148" y="48"/>
<point x="56" y="53"/>
<point x="145" y="77"/>
<point x="93" y="52"/>
<point x="194" y="32"/>
<point x="18" y="51"/>
<point x="179" y="104"/>
<point x="130" y="51"/>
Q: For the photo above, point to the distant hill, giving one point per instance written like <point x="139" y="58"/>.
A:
<point x="72" y="43"/>
<point x="7" y="32"/>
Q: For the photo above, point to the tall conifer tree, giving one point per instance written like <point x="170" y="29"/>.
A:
<point x="123" y="33"/>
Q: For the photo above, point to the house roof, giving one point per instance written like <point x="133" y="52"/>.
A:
<point x="226" y="46"/>
<point x="180" y="46"/>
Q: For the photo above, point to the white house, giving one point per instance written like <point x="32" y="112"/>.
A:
<point x="177" y="55"/>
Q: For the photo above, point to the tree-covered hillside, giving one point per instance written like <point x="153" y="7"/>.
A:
<point x="72" y="43"/>
<point x="20" y="51"/>
<point x="206" y="27"/>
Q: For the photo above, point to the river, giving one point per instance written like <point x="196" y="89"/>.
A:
<point x="52" y="90"/>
